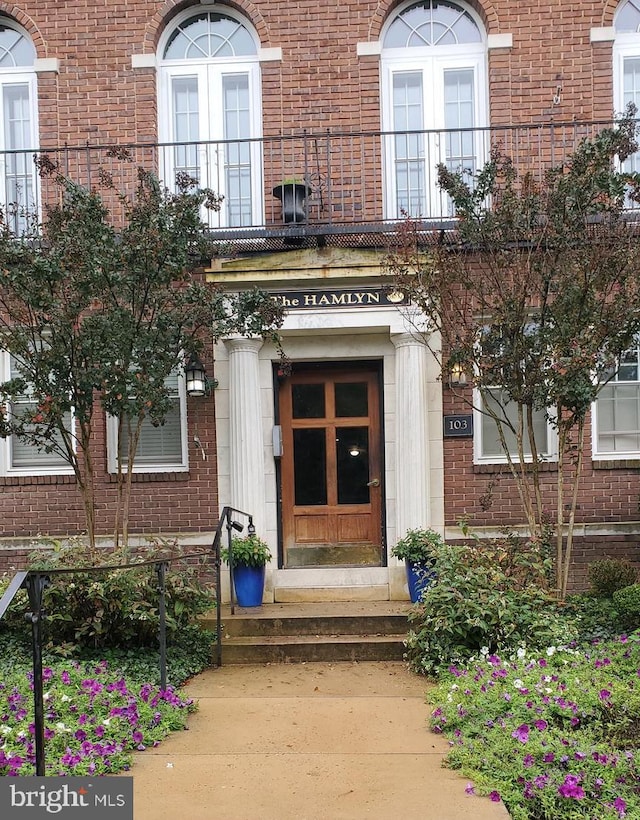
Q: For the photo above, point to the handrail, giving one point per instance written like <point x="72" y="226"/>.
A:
<point x="36" y="581"/>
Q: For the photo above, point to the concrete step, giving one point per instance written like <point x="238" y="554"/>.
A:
<point x="310" y="648"/>
<point x="290" y="633"/>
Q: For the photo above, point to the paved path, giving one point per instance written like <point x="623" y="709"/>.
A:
<point x="315" y="741"/>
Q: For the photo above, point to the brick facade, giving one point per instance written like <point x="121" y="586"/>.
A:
<point x="551" y="72"/>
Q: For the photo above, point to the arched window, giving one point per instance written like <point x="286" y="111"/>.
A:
<point x="210" y="109"/>
<point x="433" y="100"/>
<point x="19" y="131"/>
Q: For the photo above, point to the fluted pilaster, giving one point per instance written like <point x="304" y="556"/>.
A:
<point x="246" y="447"/>
<point x="412" y="437"/>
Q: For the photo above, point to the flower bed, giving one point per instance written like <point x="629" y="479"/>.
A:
<point x="94" y="719"/>
<point x="553" y="735"/>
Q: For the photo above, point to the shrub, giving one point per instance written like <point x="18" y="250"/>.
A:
<point x="610" y="574"/>
<point x="594" y="618"/>
<point x="116" y="608"/>
<point x="488" y="596"/>
<point x="627" y="602"/>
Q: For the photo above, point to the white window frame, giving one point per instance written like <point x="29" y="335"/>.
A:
<point x="432" y="62"/>
<point x="549" y="455"/>
<point x="20" y="75"/>
<point x="6" y="444"/>
<point x="160" y="467"/>
<point x="612" y="455"/>
<point x="210" y="73"/>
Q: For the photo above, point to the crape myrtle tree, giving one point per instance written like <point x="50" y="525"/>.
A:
<point x="534" y="295"/>
<point x="99" y="306"/>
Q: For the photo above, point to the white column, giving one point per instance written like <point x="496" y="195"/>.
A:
<point x="246" y="447"/>
<point x="412" y="436"/>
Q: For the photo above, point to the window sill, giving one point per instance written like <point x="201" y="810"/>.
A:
<point x="22" y="480"/>
<point x="503" y="467"/>
<point x="167" y="475"/>
<point x="615" y="463"/>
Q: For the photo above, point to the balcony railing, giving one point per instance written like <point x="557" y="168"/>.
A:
<point x="350" y="186"/>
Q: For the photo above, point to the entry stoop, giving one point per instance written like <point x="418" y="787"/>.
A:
<point x="306" y="632"/>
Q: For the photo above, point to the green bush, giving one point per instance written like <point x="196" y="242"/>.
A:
<point x="595" y="618"/>
<point x="487" y="596"/>
<point x="115" y="608"/>
<point x="627" y="602"/>
<point x="610" y="574"/>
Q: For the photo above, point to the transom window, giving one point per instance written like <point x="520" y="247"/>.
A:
<point x="19" y="128"/>
<point x="432" y="23"/>
<point x="210" y="111"/>
<point x="209" y="35"/>
<point x="434" y="101"/>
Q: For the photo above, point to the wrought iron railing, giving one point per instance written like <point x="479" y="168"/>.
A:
<point x="345" y="182"/>
<point x="36" y="581"/>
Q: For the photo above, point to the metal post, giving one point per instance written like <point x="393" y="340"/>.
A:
<point x="161" y="569"/>
<point x="230" y="547"/>
<point x="35" y="584"/>
<point x="218" y="565"/>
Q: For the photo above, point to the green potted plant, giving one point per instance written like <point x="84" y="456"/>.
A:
<point x="417" y="549"/>
<point x="248" y="558"/>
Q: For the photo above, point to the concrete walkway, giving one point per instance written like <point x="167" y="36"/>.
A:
<point x="315" y="741"/>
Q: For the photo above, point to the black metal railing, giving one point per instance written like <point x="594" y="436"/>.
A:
<point x="36" y="581"/>
<point x="347" y="182"/>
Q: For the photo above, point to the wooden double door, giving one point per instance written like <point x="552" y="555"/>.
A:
<point x="331" y="467"/>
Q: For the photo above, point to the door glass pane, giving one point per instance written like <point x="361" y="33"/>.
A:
<point x="459" y="113"/>
<point x="186" y="124"/>
<point x="237" y="126"/>
<point x="310" y="467"/>
<point x="352" y="459"/>
<point x="352" y="399"/>
<point x="308" y="401"/>
<point x="409" y="147"/>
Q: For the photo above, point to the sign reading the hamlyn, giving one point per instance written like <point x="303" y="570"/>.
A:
<point x="33" y="798"/>
<point x="355" y="298"/>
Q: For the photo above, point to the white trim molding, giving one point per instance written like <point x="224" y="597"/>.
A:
<point x="369" y="49"/>
<point x="143" y="61"/>
<point x="270" y="55"/>
<point x="499" y="41"/>
<point x="41" y="65"/>
<point x="602" y="35"/>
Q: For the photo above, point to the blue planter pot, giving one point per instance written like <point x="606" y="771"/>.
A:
<point x="248" y="583"/>
<point x="419" y="577"/>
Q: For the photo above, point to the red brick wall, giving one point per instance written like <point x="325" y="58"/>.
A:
<point x="321" y="83"/>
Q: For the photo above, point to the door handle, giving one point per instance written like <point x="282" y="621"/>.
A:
<point x="373" y="483"/>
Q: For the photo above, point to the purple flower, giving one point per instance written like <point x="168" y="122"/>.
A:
<point x="605" y="694"/>
<point x="521" y="733"/>
<point x="495" y="796"/>
<point x="65" y="677"/>
<point x="541" y="725"/>
<point x="620" y="806"/>
<point x="469" y="788"/>
<point x="549" y="757"/>
<point x="571" y="788"/>
<point x="528" y="761"/>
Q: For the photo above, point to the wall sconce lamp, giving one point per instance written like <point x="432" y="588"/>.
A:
<point x="457" y="376"/>
<point x="197" y="383"/>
